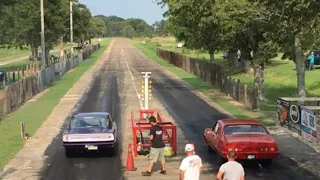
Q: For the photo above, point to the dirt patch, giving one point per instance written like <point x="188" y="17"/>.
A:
<point x="39" y="95"/>
<point x="70" y="71"/>
<point x="2" y="94"/>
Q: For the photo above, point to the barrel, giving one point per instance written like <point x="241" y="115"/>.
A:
<point x="168" y="151"/>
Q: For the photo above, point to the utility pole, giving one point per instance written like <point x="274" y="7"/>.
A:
<point x="71" y="28"/>
<point x="43" y="57"/>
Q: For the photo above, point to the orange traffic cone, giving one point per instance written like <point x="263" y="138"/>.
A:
<point x="130" y="163"/>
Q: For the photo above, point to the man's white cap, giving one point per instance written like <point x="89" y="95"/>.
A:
<point x="189" y="147"/>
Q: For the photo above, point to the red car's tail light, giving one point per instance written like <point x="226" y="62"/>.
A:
<point x="232" y="148"/>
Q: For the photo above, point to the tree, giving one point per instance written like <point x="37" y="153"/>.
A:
<point x="116" y="26"/>
<point x="295" y="21"/>
<point x="113" y="25"/>
<point x="196" y="23"/>
<point x="217" y="25"/>
<point x="6" y="21"/>
<point x="21" y="23"/>
<point x="97" y="27"/>
<point x="160" y="27"/>
<point x="128" y="31"/>
<point x="245" y="26"/>
<point x="81" y="19"/>
<point x="140" y="27"/>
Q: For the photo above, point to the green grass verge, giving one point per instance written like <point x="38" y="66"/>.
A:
<point x="13" y="53"/>
<point x="198" y="84"/>
<point x="35" y="113"/>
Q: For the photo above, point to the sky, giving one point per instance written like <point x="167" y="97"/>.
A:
<point x="143" y="9"/>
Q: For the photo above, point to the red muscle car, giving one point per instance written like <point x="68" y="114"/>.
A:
<point x="248" y="138"/>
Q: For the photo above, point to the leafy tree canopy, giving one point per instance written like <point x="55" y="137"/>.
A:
<point x="116" y="26"/>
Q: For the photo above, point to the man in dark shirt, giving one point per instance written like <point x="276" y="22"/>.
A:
<point x="157" y="147"/>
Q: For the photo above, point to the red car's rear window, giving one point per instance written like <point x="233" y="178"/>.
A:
<point x="244" y="129"/>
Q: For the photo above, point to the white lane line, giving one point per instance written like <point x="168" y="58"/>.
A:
<point x="132" y="78"/>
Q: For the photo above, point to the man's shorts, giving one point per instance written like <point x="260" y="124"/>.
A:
<point x="156" y="154"/>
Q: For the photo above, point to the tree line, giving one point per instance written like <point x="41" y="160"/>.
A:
<point x="132" y="27"/>
<point x="21" y="26"/>
<point x="260" y="29"/>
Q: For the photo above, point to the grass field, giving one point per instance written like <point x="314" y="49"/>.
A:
<point x="280" y="80"/>
<point x="13" y="53"/>
<point x="15" y="66"/>
<point x="10" y="141"/>
<point x="8" y="54"/>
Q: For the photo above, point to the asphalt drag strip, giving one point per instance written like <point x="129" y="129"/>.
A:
<point x="103" y="97"/>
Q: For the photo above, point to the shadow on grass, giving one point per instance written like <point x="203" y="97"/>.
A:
<point x="272" y="93"/>
<point x="275" y="63"/>
<point x="314" y="86"/>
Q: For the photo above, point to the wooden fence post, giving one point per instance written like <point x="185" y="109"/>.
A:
<point x="229" y="81"/>
<point x="225" y="84"/>
<point x="8" y="77"/>
<point x="34" y="68"/>
<point x="14" y="76"/>
<point x="4" y="79"/>
<point x="23" y="130"/>
<point x="238" y="91"/>
<point x="29" y="69"/>
<point x="245" y="94"/>
<point x="18" y="74"/>
<point x="255" y="99"/>
<point x="234" y="89"/>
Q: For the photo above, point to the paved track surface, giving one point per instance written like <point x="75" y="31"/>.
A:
<point x="190" y="112"/>
<point x="103" y="97"/>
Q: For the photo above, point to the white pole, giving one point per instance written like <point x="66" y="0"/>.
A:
<point x="43" y="57"/>
<point x="146" y="89"/>
<point x="146" y="92"/>
<point x="71" y="28"/>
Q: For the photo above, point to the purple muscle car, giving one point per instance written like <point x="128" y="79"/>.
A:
<point x="94" y="131"/>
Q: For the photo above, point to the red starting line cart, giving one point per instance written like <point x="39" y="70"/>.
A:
<point x="142" y="141"/>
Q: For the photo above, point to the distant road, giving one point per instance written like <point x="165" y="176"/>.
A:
<point x="2" y="63"/>
<point x="24" y="58"/>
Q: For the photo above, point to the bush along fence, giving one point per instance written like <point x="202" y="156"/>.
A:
<point x="31" y="81"/>
<point x="213" y="74"/>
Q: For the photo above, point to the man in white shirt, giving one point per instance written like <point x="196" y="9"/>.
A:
<point x="190" y="167"/>
<point x="231" y="170"/>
